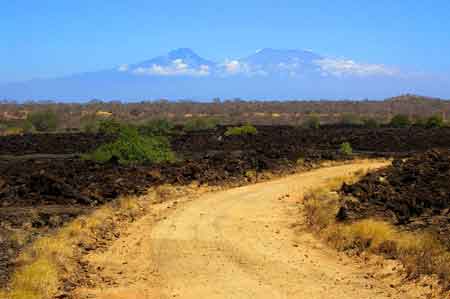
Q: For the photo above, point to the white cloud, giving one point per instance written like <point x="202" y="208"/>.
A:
<point x="235" y="67"/>
<point x="289" y="66"/>
<point x="341" y="67"/>
<point x="203" y="70"/>
<point x="175" y="68"/>
<point x="123" y="68"/>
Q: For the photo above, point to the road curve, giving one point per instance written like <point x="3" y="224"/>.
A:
<point x="239" y="243"/>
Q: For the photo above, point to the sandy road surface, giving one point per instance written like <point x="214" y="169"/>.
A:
<point x="238" y="243"/>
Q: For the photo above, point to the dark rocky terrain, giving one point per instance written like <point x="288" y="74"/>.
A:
<point x="413" y="193"/>
<point x="44" y="182"/>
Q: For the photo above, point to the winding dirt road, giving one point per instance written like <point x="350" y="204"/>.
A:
<point x="238" y="243"/>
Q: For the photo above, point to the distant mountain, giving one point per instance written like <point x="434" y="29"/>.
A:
<point x="182" y="61"/>
<point x="185" y="54"/>
<point x="272" y="61"/>
<point x="266" y="74"/>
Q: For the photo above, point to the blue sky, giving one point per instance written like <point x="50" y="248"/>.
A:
<point x="56" y="38"/>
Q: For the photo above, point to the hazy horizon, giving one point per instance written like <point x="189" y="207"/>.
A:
<point x="360" y="50"/>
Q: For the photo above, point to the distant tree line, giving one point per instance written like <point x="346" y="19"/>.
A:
<point x="401" y="111"/>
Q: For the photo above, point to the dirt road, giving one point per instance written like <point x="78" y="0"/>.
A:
<point x="239" y="243"/>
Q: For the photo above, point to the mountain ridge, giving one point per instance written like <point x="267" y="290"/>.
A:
<point x="268" y="73"/>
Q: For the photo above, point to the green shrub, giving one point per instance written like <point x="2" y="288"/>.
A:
<point x="16" y="127"/>
<point x="247" y="129"/>
<point x="200" y="123"/>
<point x="346" y="148"/>
<point x="400" y="121"/>
<point x="157" y="127"/>
<point x="371" y="123"/>
<point x="14" y="131"/>
<point x="3" y="127"/>
<point x="131" y="148"/>
<point x="351" y="119"/>
<point x="90" y="123"/>
<point x="27" y="127"/>
<point x="90" y="127"/>
<point x="421" y="122"/>
<point x="312" y="121"/>
<point x="110" y="126"/>
<point x="435" y="121"/>
<point x="46" y="121"/>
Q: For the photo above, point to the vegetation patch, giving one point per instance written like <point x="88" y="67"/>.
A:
<point x="435" y="121"/>
<point x="157" y="127"/>
<point x="45" y="121"/>
<point x="110" y="126"/>
<point x="350" y="119"/>
<point x="312" y="121"/>
<point x="247" y="129"/>
<point x="400" y="121"/>
<point x="200" y="124"/>
<point x="371" y="123"/>
<point x="16" y="127"/>
<point x="132" y="148"/>
<point x="346" y="149"/>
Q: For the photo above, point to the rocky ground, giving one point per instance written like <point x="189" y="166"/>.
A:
<point x="44" y="182"/>
<point x="413" y="193"/>
<point x="242" y="242"/>
<point x="384" y="139"/>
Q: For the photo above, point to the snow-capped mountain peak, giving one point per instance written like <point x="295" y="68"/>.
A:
<point x="184" y="73"/>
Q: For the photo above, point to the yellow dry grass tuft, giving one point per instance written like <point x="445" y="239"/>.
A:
<point x="38" y="280"/>
<point x="420" y="252"/>
<point x="43" y="263"/>
<point x="130" y="207"/>
<point x="20" y="237"/>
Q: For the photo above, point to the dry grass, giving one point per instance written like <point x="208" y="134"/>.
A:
<point x="37" y="280"/>
<point x="21" y="237"/>
<point x="320" y="209"/>
<point x="164" y="192"/>
<point x="42" y="264"/>
<point x="420" y="252"/>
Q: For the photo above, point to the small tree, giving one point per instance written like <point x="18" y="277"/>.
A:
<point x="421" y="122"/>
<point x="110" y="126"/>
<point x="132" y="148"/>
<point x="346" y="149"/>
<point x="90" y="127"/>
<point x="157" y="127"/>
<point x="371" y="123"/>
<point x="46" y="121"/>
<point x="400" y="121"/>
<point x="3" y="126"/>
<point x="435" y="121"/>
<point x="90" y="123"/>
<point x="247" y="129"/>
<point x="312" y="121"/>
<point x="350" y="119"/>
<point x="200" y="123"/>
